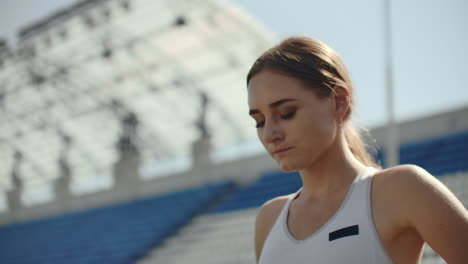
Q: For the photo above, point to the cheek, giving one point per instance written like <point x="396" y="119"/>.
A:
<point x="327" y="128"/>
<point x="316" y="123"/>
<point x="318" y="133"/>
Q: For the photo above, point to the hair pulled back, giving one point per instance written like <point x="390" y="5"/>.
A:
<point x="321" y="69"/>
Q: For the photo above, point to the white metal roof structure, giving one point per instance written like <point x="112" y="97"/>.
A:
<point x="80" y="78"/>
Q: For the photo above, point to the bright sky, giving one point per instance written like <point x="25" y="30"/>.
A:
<point x="429" y="39"/>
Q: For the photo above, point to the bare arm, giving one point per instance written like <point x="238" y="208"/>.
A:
<point x="434" y="212"/>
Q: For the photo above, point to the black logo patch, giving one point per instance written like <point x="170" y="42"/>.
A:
<point x="344" y="232"/>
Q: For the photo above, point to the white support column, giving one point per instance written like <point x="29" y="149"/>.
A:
<point x="126" y="170"/>
<point x="126" y="178"/>
<point x="201" y="165"/>
<point x="62" y="191"/>
<point x="15" y="205"/>
<point x="392" y="144"/>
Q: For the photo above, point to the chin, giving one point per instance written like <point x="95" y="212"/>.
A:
<point x="288" y="166"/>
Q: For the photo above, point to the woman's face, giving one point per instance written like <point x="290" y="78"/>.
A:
<point x="293" y="124"/>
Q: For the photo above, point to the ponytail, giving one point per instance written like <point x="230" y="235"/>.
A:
<point x="358" y="147"/>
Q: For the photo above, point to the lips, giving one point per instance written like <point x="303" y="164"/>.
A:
<point x="281" y="150"/>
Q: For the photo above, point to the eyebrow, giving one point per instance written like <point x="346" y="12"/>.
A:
<point x="273" y="105"/>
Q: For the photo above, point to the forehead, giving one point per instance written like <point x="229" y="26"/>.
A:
<point x="268" y="86"/>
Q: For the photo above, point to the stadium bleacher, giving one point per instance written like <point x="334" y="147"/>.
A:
<point x="439" y="156"/>
<point x="104" y="101"/>
<point x="120" y="233"/>
<point x="209" y="224"/>
<point x="268" y="186"/>
<point x="225" y="233"/>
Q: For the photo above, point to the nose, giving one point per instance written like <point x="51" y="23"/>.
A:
<point x="272" y="132"/>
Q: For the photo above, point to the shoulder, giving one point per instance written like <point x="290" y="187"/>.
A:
<point x="406" y="180"/>
<point x="265" y="220"/>
<point x="270" y="210"/>
<point x="412" y="195"/>
<point x="415" y="199"/>
<point x="409" y="185"/>
<point x="394" y="191"/>
<point x="398" y="173"/>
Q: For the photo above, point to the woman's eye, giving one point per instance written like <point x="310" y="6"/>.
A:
<point x="259" y="124"/>
<point x="288" y="115"/>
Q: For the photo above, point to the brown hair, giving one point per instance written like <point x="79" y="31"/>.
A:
<point x="321" y="69"/>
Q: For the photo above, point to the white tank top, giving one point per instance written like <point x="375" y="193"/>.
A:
<point x="348" y="237"/>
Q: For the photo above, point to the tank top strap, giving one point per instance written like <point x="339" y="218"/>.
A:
<point x="285" y="209"/>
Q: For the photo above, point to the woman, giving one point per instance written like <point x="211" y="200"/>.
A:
<point x="348" y="210"/>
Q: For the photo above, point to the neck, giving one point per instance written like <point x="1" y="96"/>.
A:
<point x="332" y="173"/>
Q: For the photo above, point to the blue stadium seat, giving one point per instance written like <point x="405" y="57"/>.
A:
<point x="120" y="233"/>
<point x="266" y="187"/>
<point x="439" y="156"/>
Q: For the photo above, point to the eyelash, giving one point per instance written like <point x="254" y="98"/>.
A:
<point x="286" y="116"/>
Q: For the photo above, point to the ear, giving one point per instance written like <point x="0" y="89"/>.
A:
<point x="342" y="102"/>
